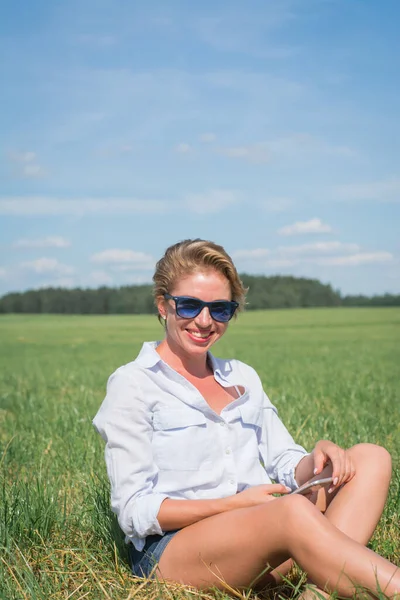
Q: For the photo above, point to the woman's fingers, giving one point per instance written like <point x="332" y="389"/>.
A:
<point x="259" y="494"/>
<point x="353" y="469"/>
<point x="337" y="467"/>
<point x="343" y="469"/>
<point x="350" y="469"/>
<point x="319" y="460"/>
<point x="280" y="489"/>
<point x="277" y="488"/>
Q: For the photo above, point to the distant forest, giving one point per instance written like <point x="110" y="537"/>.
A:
<point x="264" y="293"/>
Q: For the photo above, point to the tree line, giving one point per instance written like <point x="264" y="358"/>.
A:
<point x="263" y="293"/>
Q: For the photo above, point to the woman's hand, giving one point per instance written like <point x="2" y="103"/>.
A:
<point x="343" y="469"/>
<point x="258" y="494"/>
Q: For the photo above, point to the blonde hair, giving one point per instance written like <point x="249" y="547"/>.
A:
<point x="191" y="256"/>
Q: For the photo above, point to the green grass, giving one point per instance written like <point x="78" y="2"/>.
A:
<point x="332" y="373"/>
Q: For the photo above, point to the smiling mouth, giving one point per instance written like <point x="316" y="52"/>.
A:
<point x="200" y="336"/>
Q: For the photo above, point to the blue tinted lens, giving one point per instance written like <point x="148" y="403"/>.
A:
<point x="222" y="311"/>
<point x="188" y="308"/>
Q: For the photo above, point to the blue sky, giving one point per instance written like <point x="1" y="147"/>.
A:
<point x="271" y="127"/>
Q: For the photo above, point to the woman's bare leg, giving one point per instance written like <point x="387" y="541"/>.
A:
<point x="236" y="546"/>
<point x="357" y="507"/>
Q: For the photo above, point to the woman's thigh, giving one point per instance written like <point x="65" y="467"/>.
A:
<point x="236" y="547"/>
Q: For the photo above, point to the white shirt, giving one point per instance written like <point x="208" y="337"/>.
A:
<point x="164" y="441"/>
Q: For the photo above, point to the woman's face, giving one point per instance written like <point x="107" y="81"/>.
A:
<point x="195" y="336"/>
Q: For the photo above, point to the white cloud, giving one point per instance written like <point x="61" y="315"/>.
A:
<point x="361" y="258"/>
<point x="344" y="254"/>
<point x="100" y="278"/>
<point x="207" y="138"/>
<point x="212" y="201"/>
<point x="22" y="157"/>
<point x="134" y="267"/>
<point x="59" y="282"/>
<point x="264" y="257"/>
<point x="27" y="206"/>
<point x="27" y="165"/>
<point x="47" y="265"/>
<point x="67" y="282"/>
<point x="304" y="145"/>
<point x="257" y="254"/>
<point x="253" y="153"/>
<point x="302" y="251"/>
<point x="47" y="242"/>
<point x="33" y="171"/>
<point x="319" y="248"/>
<point x="298" y="146"/>
<point x="113" y="150"/>
<point x="3" y="272"/>
<point x="302" y="227"/>
<point x="183" y="148"/>
<point x="387" y="190"/>
<point x="137" y="280"/>
<point x="123" y="259"/>
<point x="280" y="263"/>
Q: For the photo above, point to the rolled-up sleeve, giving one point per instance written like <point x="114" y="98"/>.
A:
<point x="125" y="423"/>
<point x="280" y="453"/>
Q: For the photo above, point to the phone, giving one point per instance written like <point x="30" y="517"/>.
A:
<point x="312" y="486"/>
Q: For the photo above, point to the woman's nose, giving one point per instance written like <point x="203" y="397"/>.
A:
<point x="204" y="318"/>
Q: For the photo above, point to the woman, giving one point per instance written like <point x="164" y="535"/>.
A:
<point x="193" y="442"/>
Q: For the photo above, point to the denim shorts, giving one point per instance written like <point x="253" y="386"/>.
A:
<point x="144" y="561"/>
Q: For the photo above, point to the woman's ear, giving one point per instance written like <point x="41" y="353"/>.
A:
<point x="161" y="307"/>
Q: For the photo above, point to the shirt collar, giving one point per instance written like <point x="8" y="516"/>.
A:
<point x="148" y="357"/>
<point x="220" y="367"/>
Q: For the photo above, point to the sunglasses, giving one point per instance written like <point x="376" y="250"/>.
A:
<point x="189" y="308"/>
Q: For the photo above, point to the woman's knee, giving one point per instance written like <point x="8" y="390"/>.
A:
<point x="294" y="511"/>
<point x="372" y="457"/>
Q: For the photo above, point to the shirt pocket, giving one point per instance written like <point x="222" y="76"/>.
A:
<point x="180" y="440"/>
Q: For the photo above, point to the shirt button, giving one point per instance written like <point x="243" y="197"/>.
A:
<point x="222" y="424"/>
<point x="228" y="451"/>
<point x="232" y="482"/>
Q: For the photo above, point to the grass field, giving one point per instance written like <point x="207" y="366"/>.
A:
<point x="333" y="373"/>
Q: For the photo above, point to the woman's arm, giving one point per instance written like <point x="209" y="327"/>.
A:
<point x="280" y="453"/>
<point x="124" y="422"/>
<point x="175" y="514"/>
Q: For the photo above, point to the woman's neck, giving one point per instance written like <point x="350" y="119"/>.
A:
<point x="195" y="366"/>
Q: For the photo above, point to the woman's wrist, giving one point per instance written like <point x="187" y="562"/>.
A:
<point x="229" y="503"/>
<point x="305" y="469"/>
